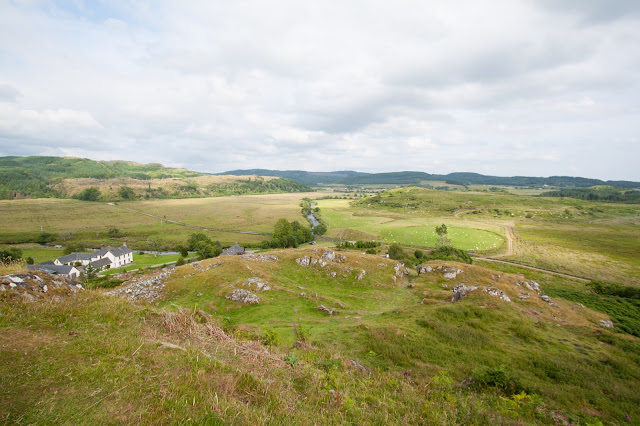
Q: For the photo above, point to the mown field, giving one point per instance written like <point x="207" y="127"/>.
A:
<point x="399" y="228"/>
<point x="593" y="239"/>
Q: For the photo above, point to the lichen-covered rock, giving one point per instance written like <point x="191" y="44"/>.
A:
<point x="329" y="311"/>
<point x="423" y="269"/>
<point x="400" y="270"/>
<point x="497" y="293"/>
<point x="607" y="323"/>
<point x="459" y="291"/>
<point x="450" y="273"/>
<point x="260" y="257"/>
<point x="529" y="285"/>
<point x="149" y="288"/>
<point x="304" y="261"/>
<point x="243" y="296"/>
<point x="36" y="285"/>
<point x="256" y="284"/>
<point x="331" y="256"/>
<point x="548" y="300"/>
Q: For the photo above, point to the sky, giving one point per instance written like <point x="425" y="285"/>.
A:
<point x="498" y="87"/>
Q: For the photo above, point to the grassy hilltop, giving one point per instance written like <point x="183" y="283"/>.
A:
<point x="396" y="351"/>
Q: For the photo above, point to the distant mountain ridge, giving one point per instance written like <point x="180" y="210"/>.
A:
<point x="349" y="177"/>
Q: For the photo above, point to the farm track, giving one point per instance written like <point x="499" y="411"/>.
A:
<point x="534" y="268"/>
<point x="200" y="228"/>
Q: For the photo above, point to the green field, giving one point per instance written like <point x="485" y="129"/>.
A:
<point x="142" y="261"/>
<point x="407" y="229"/>
<point x="88" y="222"/>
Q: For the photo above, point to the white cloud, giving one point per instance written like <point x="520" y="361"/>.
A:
<point x="506" y="87"/>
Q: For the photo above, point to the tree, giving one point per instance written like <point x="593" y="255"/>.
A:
<point x="90" y="272"/>
<point x="89" y="194"/>
<point x="30" y="260"/>
<point x="184" y="251"/>
<point x="396" y="252"/>
<point x="442" y="232"/>
<point x="320" y="229"/>
<point x="282" y="228"/>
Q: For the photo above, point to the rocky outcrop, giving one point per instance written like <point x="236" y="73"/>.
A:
<point x="256" y="284"/>
<point x="497" y="293"/>
<point x="243" y="296"/>
<point x="331" y="256"/>
<point x="450" y="273"/>
<point x="424" y="269"/>
<point x="147" y="288"/>
<point x="260" y="257"/>
<point x="548" y="300"/>
<point x="459" y="291"/>
<point x="304" y="261"/>
<point x="32" y="286"/>
<point x="328" y="311"/>
<point x="400" y="270"/>
<point x="607" y="323"/>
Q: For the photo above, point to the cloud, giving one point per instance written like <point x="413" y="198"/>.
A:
<point x="507" y="87"/>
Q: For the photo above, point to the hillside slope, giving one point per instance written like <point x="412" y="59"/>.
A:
<point x="65" y="177"/>
<point x="418" y="178"/>
<point x="395" y="348"/>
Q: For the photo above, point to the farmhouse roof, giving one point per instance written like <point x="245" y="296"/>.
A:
<point x="74" y="257"/>
<point x="101" y="263"/>
<point x="120" y="251"/>
<point x="233" y="250"/>
<point x="52" y="269"/>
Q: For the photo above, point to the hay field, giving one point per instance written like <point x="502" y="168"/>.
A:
<point x="21" y="220"/>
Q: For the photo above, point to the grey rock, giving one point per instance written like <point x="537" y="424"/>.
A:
<point x="459" y="291"/>
<point x="423" y="269"/>
<point x="243" y="296"/>
<point x="331" y="256"/>
<point x="400" y="270"/>
<point x="256" y="284"/>
<point x="329" y="311"/>
<point x="304" y="261"/>
<point x="497" y="293"/>
<point x="607" y="323"/>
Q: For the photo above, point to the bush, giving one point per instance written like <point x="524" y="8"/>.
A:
<point x="418" y="254"/>
<point x="180" y="261"/>
<point x="10" y="255"/>
<point x="449" y="253"/>
<point x="45" y="237"/>
<point x="497" y="378"/>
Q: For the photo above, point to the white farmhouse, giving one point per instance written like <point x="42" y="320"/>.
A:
<point x="105" y="258"/>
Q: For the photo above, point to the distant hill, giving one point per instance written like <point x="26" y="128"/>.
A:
<point x="65" y="177"/>
<point x="416" y="178"/>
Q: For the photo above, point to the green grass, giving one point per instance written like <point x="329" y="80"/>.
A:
<point x="96" y="359"/>
<point x="89" y="222"/>
<point x="142" y="261"/>
<point x="407" y="229"/>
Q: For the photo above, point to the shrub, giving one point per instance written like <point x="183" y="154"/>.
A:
<point x="496" y="378"/>
<point x="180" y="261"/>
